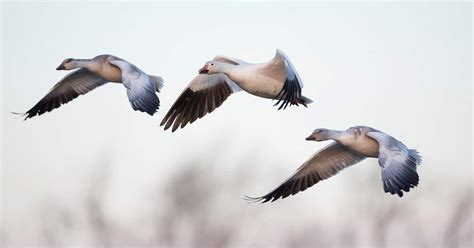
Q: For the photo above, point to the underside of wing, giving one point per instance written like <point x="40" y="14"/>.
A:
<point x="204" y="94"/>
<point x="71" y="86"/>
<point x="322" y="165"/>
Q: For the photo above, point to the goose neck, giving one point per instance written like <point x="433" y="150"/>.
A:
<point x="335" y="135"/>
<point x="83" y="63"/>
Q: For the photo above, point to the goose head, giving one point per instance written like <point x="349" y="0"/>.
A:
<point x="212" y="67"/>
<point x="319" y="134"/>
<point x="67" y="64"/>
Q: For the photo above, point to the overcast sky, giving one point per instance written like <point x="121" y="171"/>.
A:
<point x="401" y="68"/>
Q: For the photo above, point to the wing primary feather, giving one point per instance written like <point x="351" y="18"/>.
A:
<point x="323" y="164"/>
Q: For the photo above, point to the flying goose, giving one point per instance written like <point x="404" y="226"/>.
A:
<point x="92" y="73"/>
<point x="219" y="78"/>
<point x="398" y="163"/>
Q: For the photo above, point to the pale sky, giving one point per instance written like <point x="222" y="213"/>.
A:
<point x="405" y="69"/>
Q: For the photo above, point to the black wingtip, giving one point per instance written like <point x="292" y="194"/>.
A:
<point x="289" y="94"/>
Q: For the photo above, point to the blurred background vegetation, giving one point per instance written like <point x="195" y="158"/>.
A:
<point x="201" y="205"/>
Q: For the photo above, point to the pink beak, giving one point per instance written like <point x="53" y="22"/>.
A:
<point x="203" y="70"/>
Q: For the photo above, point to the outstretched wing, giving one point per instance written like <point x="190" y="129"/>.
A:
<point x="76" y="83"/>
<point x="398" y="164"/>
<point x="323" y="164"/>
<point x="204" y="94"/>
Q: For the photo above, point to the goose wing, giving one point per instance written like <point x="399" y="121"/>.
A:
<point x="280" y="68"/>
<point x="322" y="165"/>
<point x="76" y="83"/>
<point x="398" y="164"/>
<point x="140" y="87"/>
<point x="203" y="94"/>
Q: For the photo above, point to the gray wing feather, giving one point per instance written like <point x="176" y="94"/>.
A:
<point x="141" y="93"/>
<point x="398" y="164"/>
<point x="140" y="87"/>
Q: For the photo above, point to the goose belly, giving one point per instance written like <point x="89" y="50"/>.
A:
<point x="110" y="73"/>
<point x="364" y="145"/>
<point x="261" y="85"/>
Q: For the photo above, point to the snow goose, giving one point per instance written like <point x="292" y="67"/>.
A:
<point x="398" y="163"/>
<point x="222" y="76"/>
<point x="92" y="73"/>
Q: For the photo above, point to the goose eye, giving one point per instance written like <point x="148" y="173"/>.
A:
<point x="212" y="63"/>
